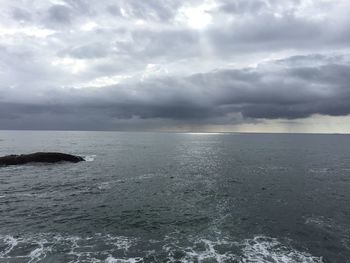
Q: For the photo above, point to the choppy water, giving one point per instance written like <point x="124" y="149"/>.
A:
<point x="158" y="197"/>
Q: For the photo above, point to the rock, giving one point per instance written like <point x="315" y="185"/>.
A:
<point x="39" y="157"/>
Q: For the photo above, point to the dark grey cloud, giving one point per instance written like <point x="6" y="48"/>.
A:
<point x="21" y="14"/>
<point x="60" y="14"/>
<point x="254" y="93"/>
<point x="242" y="7"/>
<point x="271" y="34"/>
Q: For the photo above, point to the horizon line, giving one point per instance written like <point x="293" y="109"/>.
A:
<point x="179" y="132"/>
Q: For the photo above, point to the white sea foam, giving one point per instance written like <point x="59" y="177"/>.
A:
<point x="10" y="243"/>
<point x="111" y="259"/>
<point x="210" y="252"/>
<point x="260" y="249"/>
<point x="79" y="248"/>
<point x="263" y="249"/>
<point x="38" y="253"/>
<point x="115" y="249"/>
<point x="35" y="255"/>
<point x="89" y="158"/>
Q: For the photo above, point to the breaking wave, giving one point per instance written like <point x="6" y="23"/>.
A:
<point x="113" y="249"/>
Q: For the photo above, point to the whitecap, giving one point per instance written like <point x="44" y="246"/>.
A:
<point x="89" y="158"/>
<point x="210" y="252"/>
<point x="260" y="249"/>
<point x="111" y="259"/>
<point x="265" y="250"/>
<point x="10" y="242"/>
<point x="38" y="253"/>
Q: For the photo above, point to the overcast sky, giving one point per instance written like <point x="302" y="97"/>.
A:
<point x="216" y="65"/>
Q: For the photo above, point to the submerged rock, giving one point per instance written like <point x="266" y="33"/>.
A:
<point x="39" y="157"/>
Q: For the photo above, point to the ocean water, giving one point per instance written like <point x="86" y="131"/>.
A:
<point x="177" y="197"/>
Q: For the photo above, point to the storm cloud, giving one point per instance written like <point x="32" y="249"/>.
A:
<point x="155" y="64"/>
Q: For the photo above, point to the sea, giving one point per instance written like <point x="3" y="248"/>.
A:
<point x="176" y="197"/>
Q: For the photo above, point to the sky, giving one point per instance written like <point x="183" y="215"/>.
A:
<point x="170" y="65"/>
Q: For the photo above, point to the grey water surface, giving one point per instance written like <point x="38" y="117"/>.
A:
<point x="177" y="197"/>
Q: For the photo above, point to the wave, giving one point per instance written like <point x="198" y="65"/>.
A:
<point x="112" y="249"/>
<point x="111" y="259"/>
<point x="265" y="249"/>
<point x="89" y="158"/>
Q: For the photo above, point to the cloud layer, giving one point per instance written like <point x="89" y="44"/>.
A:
<point x="160" y="64"/>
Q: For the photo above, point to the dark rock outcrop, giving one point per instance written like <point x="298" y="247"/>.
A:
<point x="39" y="157"/>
